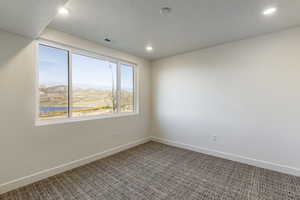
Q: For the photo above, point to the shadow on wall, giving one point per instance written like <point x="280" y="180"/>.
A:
<point x="17" y="72"/>
<point x="11" y="45"/>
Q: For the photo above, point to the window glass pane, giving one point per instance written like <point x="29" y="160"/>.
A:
<point x="127" y="88"/>
<point x="53" y="82"/>
<point x="94" y="86"/>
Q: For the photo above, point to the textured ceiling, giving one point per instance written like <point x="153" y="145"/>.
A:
<point x="133" y="24"/>
<point x="192" y="24"/>
<point x="27" y="17"/>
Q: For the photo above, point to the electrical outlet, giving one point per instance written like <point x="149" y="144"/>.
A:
<point x="214" y="138"/>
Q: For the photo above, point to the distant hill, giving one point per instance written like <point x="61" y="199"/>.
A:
<point x="56" y="96"/>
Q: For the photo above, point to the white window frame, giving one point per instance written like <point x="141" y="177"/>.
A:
<point x="73" y="50"/>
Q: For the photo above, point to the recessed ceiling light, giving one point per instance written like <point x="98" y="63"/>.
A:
<point x="63" y="11"/>
<point x="165" y="11"/>
<point x="149" y="48"/>
<point x="269" y="11"/>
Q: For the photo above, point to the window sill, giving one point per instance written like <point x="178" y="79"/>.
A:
<point x="79" y="119"/>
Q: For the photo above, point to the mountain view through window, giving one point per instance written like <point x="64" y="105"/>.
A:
<point x="53" y="82"/>
<point x="97" y="86"/>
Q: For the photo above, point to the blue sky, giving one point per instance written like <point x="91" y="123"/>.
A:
<point x="87" y="72"/>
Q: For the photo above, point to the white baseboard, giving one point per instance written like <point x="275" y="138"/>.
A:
<point x="6" y="187"/>
<point x="250" y="161"/>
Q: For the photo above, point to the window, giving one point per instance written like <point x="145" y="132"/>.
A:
<point x="75" y="85"/>
<point x="127" y="88"/>
<point x="94" y="86"/>
<point x="53" y="85"/>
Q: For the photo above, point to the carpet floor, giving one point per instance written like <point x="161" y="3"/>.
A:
<point x="154" y="171"/>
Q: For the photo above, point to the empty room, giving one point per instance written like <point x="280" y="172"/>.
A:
<point x="149" y="100"/>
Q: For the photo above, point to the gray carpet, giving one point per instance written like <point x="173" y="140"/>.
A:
<point x="155" y="171"/>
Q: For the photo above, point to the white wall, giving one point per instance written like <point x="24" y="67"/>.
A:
<point x="26" y="149"/>
<point x="247" y="93"/>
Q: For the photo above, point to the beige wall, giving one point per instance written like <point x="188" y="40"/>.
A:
<point x="26" y="149"/>
<point x="245" y="93"/>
